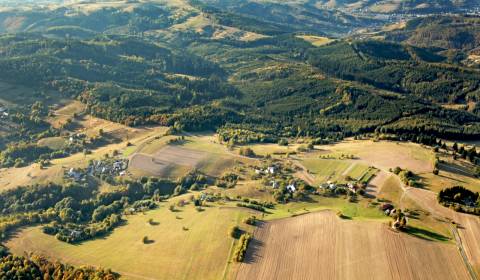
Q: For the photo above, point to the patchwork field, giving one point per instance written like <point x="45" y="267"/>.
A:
<point x="324" y="170"/>
<point x="321" y="246"/>
<point x="158" y="157"/>
<point x="182" y="245"/>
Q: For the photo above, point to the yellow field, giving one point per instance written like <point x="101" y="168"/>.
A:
<point x="385" y="154"/>
<point x="185" y="245"/>
<point x="317" y="41"/>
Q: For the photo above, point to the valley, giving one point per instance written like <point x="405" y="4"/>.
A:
<point x="249" y="139"/>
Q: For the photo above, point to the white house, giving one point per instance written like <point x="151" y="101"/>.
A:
<point x="291" y="188"/>
<point x="271" y="170"/>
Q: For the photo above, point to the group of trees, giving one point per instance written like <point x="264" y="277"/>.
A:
<point x="460" y="199"/>
<point x="37" y="267"/>
<point x="241" y="248"/>
<point x="76" y="212"/>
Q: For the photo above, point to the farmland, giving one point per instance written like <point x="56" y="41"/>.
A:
<point x="331" y="248"/>
<point x="183" y="244"/>
<point x="177" y="234"/>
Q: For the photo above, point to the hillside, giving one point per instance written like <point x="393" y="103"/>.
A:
<point x="399" y="6"/>
<point x="446" y="32"/>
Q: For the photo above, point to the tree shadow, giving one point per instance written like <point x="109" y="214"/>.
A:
<point x="426" y="234"/>
<point x="254" y="246"/>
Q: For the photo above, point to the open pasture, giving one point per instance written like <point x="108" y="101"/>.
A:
<point x="321" y="246"/>
<point x="186" y="244"/>
<point x="385" y="154"/>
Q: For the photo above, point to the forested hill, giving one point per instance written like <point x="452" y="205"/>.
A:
<point x="203" y="65"/>
<point x="405" y="6"/>
<point x="446" y="32"/>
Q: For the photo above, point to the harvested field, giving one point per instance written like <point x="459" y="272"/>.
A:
<point x="164" y="161"/>
<point x="321" y="246"/>
<point x="468" y="225"/>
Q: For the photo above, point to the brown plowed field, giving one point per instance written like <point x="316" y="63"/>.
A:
<point x="167" y="159"/>
<point x="322" y="246"/>
<point x="468" y="225"/>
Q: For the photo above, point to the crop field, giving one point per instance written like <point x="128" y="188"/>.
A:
<point x="324" y="247"/>
<point x="468" y="226"/>
<point x="166" y="160"/>
<point x="201" y="152"/>
<point x="182" y="245"/>
<point x="338" y="170"/>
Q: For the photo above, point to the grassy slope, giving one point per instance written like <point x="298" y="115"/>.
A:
<point x="201" y="250"/>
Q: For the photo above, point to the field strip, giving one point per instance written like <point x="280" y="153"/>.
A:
<point x="350" y="168"/>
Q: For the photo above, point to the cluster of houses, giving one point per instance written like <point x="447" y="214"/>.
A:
<point x="271" y="170"/>
<point x="77" y="175"/>
<point x="76" y="137"/>
<point x="333" y="186"/>
<point x="116" y="167"/>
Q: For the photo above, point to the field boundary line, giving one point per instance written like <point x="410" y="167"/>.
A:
<point x="458" y="241"/>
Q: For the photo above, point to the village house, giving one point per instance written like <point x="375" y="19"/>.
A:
<point x="291" y="188"/>
<point x="270" y="170"/>
<point x="76" y="175"/>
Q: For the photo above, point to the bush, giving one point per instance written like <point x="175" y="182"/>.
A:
<point x="241" y="249"/>
<point x="246" y="151"/>
<point x="234" y="232"/>
<point x="252" y="220"/>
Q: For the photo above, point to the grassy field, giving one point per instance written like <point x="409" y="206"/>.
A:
<point x="384" y="154"/>
<point x="183" y="245"/>
<point x="361" y="210"/>
<point x="190" y="244"/>
<point x="317" y="41"/>
<point x="326" y="169"/>
<point x="54" y="143"/>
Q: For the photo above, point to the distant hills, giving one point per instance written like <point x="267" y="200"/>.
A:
<point x="200" y="65"/>
<point x="446" y="32"/>
<point x="401" y="6"/>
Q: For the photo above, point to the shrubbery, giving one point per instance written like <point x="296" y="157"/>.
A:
<point x="241" y="249"/>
